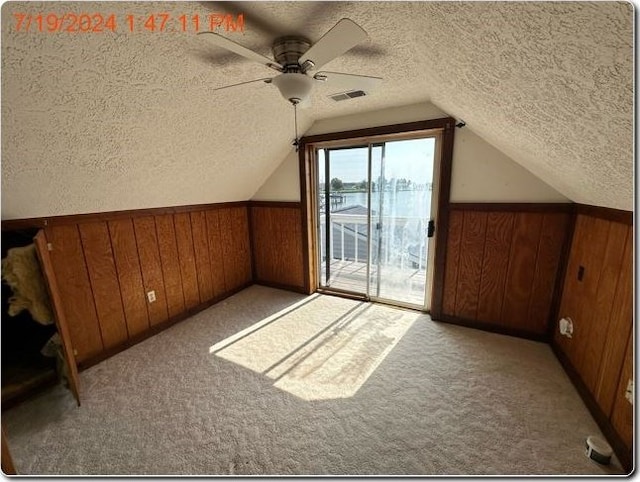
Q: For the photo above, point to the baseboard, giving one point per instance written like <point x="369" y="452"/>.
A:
<point x="624" y="453"/>
<point x="494" y="328"/>
<point x="281" y="286"/>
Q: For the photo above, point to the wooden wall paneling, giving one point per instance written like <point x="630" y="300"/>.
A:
<point x="101" y="266"/>
<point x="552" y="236"/>
<point x="125" y="254"/>
<point x="272" y="263"/>
<point x="75" y="290"/>
<point x="622" y="413"/>
<point x="292" y="247"/>
<point x="273" y="240"/>
<point x="279" y="240"/>
<point x="495" y="265"/>
<point x="521" y="271"/>
<point x="572" y="291"/>
<point x="619" y="330"/>
<point x="592" y="260"/>
<point x="470" y="264"/>
<point x="601" y="305"/>
<point x="186" y="257"/>
<point x="148" y="251"/>
<point x="201" y="251"/>
<point x="168" y="249"/>
<point x="277" y="246"/>
<point x="234" y="233"/>
<point x="264" y="241"/>
<point x="452" y="262"/>
<point x="216" y="255"/>
<point x="243" y="249"/>
<point x="228" y="249"/>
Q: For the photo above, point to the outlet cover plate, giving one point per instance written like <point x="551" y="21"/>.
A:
<point x="629" y="393"/>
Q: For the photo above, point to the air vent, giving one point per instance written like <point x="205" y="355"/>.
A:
<point x="352" y="94"/>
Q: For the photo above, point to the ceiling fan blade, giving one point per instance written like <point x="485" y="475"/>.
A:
<point x="341" y="82"/>
<point x="236" y="48"/>
<point x="343" y="36"/>
<point x="266" y="80"/>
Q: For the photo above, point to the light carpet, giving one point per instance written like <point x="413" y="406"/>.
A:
<point x="270" y="382"/>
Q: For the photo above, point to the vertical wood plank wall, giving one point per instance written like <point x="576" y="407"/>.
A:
<point x="502" y="265"/>
<point x="600" y="305"/>
<point x="277" y="244"/>
<point x="107" y="263"/>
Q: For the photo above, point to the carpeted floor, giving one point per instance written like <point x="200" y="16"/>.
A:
<point x="272" y="382"/>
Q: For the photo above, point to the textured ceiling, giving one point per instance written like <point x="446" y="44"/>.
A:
<point x="98" y="122"/>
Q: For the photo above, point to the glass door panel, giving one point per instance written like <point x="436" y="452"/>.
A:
<point x="343" y="216"/>
<point x="405" y="174"/>
<point x="377" y="199"/>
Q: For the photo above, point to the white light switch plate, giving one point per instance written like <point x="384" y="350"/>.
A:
<point x="151" y="296"/>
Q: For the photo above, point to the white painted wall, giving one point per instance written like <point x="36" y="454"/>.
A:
<point x="284" y="183"/>
<point x="480" y="172"/>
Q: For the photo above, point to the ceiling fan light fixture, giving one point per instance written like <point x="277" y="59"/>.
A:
<point x="294" y="87"/>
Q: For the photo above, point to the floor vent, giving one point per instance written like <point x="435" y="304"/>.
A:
<point x="352" y="94"/>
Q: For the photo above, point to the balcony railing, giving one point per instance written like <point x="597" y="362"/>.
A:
<point x="395" y="241"/>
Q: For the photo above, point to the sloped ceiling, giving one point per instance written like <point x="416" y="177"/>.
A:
<point x="98" y="122"/>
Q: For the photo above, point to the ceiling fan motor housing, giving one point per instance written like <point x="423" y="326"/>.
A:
<point x="288" y="50"/>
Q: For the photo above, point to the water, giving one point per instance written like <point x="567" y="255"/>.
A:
<point x="396" y="204"/>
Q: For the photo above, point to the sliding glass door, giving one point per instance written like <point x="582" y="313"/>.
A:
<point x="375" y="219"/>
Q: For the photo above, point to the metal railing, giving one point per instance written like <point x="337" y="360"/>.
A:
<point x="400" y="241"/>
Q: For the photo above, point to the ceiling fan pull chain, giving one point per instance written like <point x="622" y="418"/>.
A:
<point x="295" y="123"/>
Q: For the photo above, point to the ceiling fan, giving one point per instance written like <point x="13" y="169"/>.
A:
<point x="295" y="58"/>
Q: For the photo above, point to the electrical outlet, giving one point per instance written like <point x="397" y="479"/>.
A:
<point x="566" y="327"/>
<point x="151" y="296"/>
<point x="629" y="393"/>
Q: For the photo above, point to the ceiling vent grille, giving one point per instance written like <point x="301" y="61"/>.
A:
<point x="352" y="94"/>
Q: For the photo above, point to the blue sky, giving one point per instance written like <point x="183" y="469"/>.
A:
<point x="411" y="159"/>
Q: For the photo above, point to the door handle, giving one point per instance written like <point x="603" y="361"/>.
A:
<point x="431" y="228"/>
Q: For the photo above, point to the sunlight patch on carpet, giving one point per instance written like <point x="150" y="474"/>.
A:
<point x="321" y="348"/>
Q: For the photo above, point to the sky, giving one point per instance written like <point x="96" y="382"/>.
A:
<point x="409" y="159"/>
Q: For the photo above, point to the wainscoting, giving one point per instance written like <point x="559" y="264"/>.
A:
<point x="502" y="265"/>
<point x="518" y="269"/>
<point x="510" y="268"/>
<point x="107" y="263"/>
<point x="598" y="297"/>
<point x="276" y="244"/>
